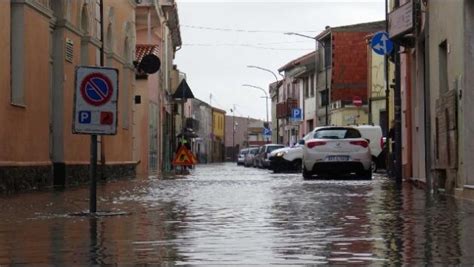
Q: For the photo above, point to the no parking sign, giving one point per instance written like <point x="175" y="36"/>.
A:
<point x="95" y="101"/>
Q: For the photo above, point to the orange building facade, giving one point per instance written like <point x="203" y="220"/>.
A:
<point x="47" y="41"/>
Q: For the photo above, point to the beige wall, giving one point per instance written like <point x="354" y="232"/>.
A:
<point x="349" y="115"/>
<point x="25" y="131"/>
<point x="451" y="30"/>
<point x="28" y="127"/>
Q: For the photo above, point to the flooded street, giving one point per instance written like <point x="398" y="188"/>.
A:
<point x="226" y="214"/>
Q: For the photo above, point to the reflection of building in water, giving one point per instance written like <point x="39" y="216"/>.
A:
<point x="418" y="230"/>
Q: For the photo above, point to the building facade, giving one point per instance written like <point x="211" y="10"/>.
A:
<point x="218" y="135"/>
<point x="342" y="73"/>
<point x="39" y="96"/>
<point x="436" y="57"/>
<point x="296" y="91"/>
<point x="245" y="133"/>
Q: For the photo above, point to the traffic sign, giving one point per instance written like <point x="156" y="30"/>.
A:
<point x="184" y="157"/>
<point x="95" y="101"/>
<point x="357" y="101"/>
<point x="267" y="131"/>
<point x="296" y="114"/>
<point x="381" y="43"/>
<point x="96" y="89"/>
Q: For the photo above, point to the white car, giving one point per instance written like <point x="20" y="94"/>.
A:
<point x="374" y="134"/>
<point x="241" y="156"/>
<point x="337" y="150"/>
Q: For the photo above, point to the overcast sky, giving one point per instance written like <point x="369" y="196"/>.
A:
<point x="220" y="38"/>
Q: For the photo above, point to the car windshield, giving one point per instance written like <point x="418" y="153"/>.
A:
<point x="337" y="133"/>
<point x="271" y="148"/>
<point x="254" y="151"/>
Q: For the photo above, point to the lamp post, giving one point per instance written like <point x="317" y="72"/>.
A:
<point x="233" y="133"/>
<point x="315" y="70"/>
<point x="266" y="95"/>
<point x="277" y="94"/>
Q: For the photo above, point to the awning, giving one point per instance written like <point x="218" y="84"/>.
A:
<point x="142" y="50"/>
<point x="183" y="91"/>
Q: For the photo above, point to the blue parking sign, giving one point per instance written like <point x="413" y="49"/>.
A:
<point x="296" y="114"/>
<point x="85" y="117"/>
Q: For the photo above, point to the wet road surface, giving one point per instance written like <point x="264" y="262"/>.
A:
<point x="223" y="214"/>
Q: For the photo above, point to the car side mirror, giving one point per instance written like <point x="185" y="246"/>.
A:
<point x="368" y="140"/>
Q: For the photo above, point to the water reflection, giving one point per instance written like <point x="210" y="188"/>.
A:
<point x="224" y="214"/>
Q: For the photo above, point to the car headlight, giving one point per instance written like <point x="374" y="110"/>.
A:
<point x="280" y="154"/>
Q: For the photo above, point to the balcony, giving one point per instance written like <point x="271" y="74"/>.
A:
<point x="192" y="124"/>
<point x="284" y="108"/>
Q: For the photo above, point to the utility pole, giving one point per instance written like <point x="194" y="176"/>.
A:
<point x="93" y="143"/>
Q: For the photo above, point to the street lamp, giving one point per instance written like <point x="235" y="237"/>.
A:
<point x="277" y="94"/>
<point x="315" y="70"/>
<point x="265" y="92"/>
<point x="233" y="133"/>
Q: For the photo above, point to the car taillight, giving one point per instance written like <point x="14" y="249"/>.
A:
<point x="312" y="144"/>
<point x="360" y="143"/>
<point x="381" y="143"/>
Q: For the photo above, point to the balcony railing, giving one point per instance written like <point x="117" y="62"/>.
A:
<point x="284" y="108"/>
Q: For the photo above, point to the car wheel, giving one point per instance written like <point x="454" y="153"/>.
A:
<point x="306" y="174"/>
<point x="373" y="165"/>
<point x="297" y="165"/>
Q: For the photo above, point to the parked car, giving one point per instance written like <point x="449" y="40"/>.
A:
<point x="335" y="150"/>
<point x="263" y="157"/>
<point x="250" y="156"/>
<point x="289" y="158"/>
<point x="377" y="144"/>
<point x="241" y="156"/>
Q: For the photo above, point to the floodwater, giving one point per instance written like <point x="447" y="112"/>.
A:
<point x="223" y="214"/>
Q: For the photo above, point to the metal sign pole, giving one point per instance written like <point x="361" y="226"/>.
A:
<point x="93" y="176"/>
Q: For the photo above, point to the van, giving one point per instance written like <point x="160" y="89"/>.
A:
<point x="374" y="134"/>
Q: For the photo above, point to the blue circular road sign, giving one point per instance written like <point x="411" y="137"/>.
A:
<point x="381" y="43"/>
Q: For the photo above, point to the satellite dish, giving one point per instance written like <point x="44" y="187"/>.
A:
<point x="149" y="64"/>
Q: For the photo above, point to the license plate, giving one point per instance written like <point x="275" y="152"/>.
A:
<point x="337" y="158"/>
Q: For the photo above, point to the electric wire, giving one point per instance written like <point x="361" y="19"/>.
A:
<point x="238" y="30"/>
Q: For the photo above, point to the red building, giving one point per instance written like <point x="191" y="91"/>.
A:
<point x="343" y="73"/>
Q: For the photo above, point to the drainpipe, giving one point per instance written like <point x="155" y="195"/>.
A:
<point x="398" y="113"/>
<point x="427" y="105"/>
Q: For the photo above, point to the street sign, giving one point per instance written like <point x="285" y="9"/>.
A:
<point x="267" y="131"/>
<point x="357" y="101"/>
<point x="296" y="114"/>
<point x="95" y="101"/>
<point x="381" y="43"/>
<point x="184" y="157"/>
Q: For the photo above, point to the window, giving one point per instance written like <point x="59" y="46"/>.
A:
<point x="327" y="51"/>
<point x="337" y="133"/>
<point x="443" y="68"/>
<point x="17" y="55"/>
<point x="97" y="20"/>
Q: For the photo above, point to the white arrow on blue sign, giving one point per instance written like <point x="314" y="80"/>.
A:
<point x="267" y="131"/>
<point x="381" y="43"/>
